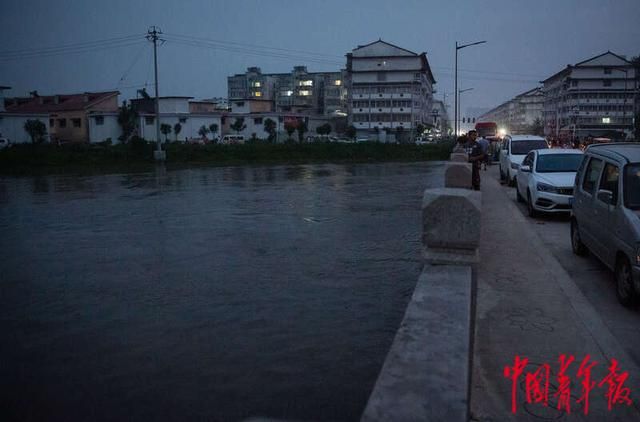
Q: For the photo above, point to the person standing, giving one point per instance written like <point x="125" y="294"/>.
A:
<point x="476" y="157"/>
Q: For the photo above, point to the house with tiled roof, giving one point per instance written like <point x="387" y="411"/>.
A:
<point x="12" y="124"/>
<point x="70" y="115"/>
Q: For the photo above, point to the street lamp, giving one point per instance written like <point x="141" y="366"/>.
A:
<point x="460" y="47"/>
<point x="460" y="91"/>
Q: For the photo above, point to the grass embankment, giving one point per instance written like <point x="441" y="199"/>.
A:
<point x="29" y="159"/>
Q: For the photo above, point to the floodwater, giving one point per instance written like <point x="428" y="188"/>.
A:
<point x="209" y="294"/>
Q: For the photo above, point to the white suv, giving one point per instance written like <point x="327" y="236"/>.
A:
<point x="514" y="149"/>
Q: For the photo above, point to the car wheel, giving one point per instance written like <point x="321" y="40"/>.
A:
<point x="530" y="209"/>
<point x="577" y="246"/>
<point x="519" y="197"/>
<point x="624" y="282"/>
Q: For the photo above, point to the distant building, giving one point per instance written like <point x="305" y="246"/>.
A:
<point x="440" y="116"/>
<point x="594" y="97"/>
<point x="389" y="87"/>
<point x="518" y="115"/>
<point x="299" y="91"/>
<point x="173" y="110"/>
<point x="69" y="114"/>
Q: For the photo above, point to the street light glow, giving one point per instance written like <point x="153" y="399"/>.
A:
<point x="502" y="132"/>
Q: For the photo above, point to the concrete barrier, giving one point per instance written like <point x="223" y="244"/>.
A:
<point x="451" y="226"/>
<point x="457" y="175"/>
<point x="460" y="157"/>
<point x="426" y="375"/>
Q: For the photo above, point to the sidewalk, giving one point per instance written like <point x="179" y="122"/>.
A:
<point x="527" y="305"/>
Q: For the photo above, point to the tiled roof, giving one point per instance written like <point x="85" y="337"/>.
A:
<point x="47" y="103"/>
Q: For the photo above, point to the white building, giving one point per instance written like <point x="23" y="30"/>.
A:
<point x="519" y="114"/>
<point x="592" y="98"/>
<point x="388" y="88"/>
<point x="174" y="110"/>
<point x="440" y="117"/>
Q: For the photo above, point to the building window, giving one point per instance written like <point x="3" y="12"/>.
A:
<point x="99" y="120"/>
<point x="305" y="83"/>
<point x="256" y="84"/>
<point x="240" y="104"/>
<point x="574" y="83"/>
<point x="606" y="82"/>
<point x="183" y="120"/>
<point x="607" y="71"/>
<point x="149" y="120"/>
<point x="257" y="94"/>
<point x="76" y="122"/>
<point x="62" y="122"/>
<point x="257" y="120"/>
<point x="304" y="93"/>
<point x="51" y="122"/>
<point x="606" y="120"/>
<point x="381" y="76"/>
<point x="337" y="82"/>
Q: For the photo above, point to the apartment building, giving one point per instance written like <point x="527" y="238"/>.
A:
<point x="519" y="114"/>
<point x="388" y="87"/>
<point x="299" y="91"/>
<point x="592" y="98"/>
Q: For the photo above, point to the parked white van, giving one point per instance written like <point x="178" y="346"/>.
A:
<point x="232" y="139"/>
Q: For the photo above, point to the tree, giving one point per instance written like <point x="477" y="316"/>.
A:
<point x="270" y="128"/>
<point x="127" y="119"/>
<point x="36" y="130"/>
<point x="290" y="127"/>
<point x="166" y="130"/>
<point x="537" y="128"/>
<point x="176" y="129"/>
<point x="419" y="129"/>
<point x="324" y="129"/>
<point x="351" y="132"/>
<point x="203" y="131"/>
<point x="214" y="129"/>
<point x="302" y="129"/>
<point x="239" y="125"/>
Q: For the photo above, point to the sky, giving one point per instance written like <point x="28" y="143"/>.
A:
<point x="69" y="46"/>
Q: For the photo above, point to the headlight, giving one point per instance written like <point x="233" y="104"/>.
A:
<point x="515" y="166"/>
<point x="543" y="187"/>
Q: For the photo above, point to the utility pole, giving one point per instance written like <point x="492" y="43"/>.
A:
<point x="153" y="36"/>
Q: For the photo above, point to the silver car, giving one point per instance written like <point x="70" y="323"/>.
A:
<point x="605" y="218"/>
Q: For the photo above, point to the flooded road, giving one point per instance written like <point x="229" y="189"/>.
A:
<point x="211" y="293"/>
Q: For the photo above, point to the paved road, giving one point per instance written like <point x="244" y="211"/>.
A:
<point x="592" y="277"/>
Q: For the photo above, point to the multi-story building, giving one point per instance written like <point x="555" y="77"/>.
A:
<point x="519" y="114"/>
<point x="388" y="88"/>
<point x="592" y="98"/>
<point x="299" y="91"/>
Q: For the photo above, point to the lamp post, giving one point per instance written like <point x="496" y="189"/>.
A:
<point x="459" y="47"/>
<point x="460" y="91"/>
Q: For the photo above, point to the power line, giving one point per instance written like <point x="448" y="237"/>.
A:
<point x="262" y="47"/>
<point x="79" y="50"/>
<point x="40" y="50"/>
<point x="252" y="52"/>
